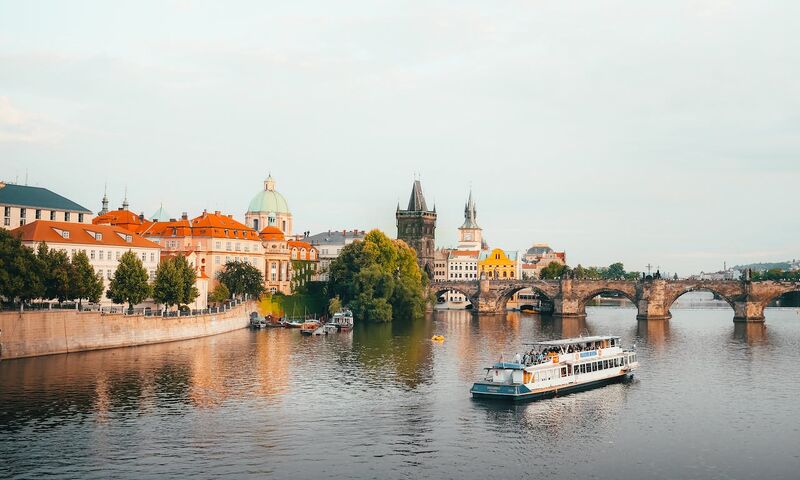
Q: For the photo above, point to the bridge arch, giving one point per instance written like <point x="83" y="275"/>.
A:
<point x="505" y="295"/>
<point x="769" y="298"/>
<point x="588" y="296"/>
<point x="698" y="288"/>
<point x="438" y="291"/>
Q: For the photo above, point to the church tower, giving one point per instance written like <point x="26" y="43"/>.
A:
<point x="470" y="235"/>
<point x="417" y="227"/>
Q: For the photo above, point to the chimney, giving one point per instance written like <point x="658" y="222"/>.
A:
<point x="230" y="215"/>
<point x="141" y="217"/>
<point x="172" y="220"/>
<point x="184" y="216"/>
<point x="216" y="212"/>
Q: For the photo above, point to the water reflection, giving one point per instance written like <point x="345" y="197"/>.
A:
<point x="397" y="350"/>
<point x="386" y="402"/>
<point x="752" y="333"/>
<point x="654" y="332"/>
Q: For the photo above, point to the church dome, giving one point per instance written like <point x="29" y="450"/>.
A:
<point x="268" y="200"/>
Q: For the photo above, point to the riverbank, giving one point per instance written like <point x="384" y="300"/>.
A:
<point x="48" y="332"/>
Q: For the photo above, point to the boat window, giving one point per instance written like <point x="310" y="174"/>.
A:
<point x="605" y="364"/>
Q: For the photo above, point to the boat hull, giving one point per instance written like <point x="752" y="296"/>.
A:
<point x="521" y="393"/>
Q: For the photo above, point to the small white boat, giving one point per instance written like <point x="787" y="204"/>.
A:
<point x="343" y="319"/>
<point x="326" y="329"/>
<point x="558" y="367"/>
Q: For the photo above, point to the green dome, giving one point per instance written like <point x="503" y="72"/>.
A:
<point x="268" y="200"/>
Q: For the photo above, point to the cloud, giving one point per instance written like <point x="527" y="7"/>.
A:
<point x="19" y="126"/>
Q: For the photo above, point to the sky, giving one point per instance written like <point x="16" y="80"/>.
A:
<point x="662" y="133"/>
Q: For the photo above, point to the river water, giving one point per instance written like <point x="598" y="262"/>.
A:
<point x="712" y="399"/>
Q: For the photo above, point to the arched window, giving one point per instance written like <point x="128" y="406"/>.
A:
<point x="255" y="224"/>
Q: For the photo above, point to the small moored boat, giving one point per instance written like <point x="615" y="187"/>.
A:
<point x="343" y="319"/>
<point x="558" y="367"/>
<point x="309" y="327"/>
<point x="326" y="329"/>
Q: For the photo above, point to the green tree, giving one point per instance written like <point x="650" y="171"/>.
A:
<point x="615" y="271"/>
<point x="242" y="278"/>
<point x="187" y="276"/>
<point x="86" y="283"/>
<point x="552" y="271"/>
<point x="58" y="276"/>
<point x="20" y="270"/>
<point x="168" y="285"/>
<point x="334" y="305"/>
<point x="219" y="294"/>
<point x="379" y="279"/>
<point x="130" y="283"/>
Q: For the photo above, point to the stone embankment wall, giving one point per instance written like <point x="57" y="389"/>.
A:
<point x="47" y="332"/>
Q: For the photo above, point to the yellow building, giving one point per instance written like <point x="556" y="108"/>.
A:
<point x="498" y="264"/>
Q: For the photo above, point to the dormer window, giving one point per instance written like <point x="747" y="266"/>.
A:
<point x="98" y="236"/>
<point x="64" y="234"/>
<point x="128" y="238"/>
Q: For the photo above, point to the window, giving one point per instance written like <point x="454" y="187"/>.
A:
<point x="91" y="255"/>
<point x="38" y="214"/>
<point x="7" y="222"/>
<point x="117" y="256"/>
<point x="228" y="246"/>
<point x="108" y="274"/>
<point x="216" y="259"/>
<point x="22" y="212"/>
<point x="52" y="215"/>
<point x="66" y="216"/>
<point x="217" y="245"/>
<point x="65" y="234"/>
<point x="80" y="218"/>
<point x="7" y="211"/>
<point x="100" y="255"/>
<point x="144" y="256"/>
<point x="21" y="222"/>
<point x="152" y="256"/>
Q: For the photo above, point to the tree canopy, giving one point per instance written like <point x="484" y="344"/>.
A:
<point x="242" y="278"/>
<point x="20" y="270"/>
<point x="86" y="283"/>
<point x="379" y="279"/>
<point x="174" y="283"/>
<point x="130" y="283"/>
<point x="552" y="271"/>
<point x="219" y="294"/>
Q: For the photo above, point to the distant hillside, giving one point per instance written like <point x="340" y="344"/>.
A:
<point x="760" y="267"/>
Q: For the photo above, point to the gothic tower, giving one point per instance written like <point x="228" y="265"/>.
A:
<point x="417" y="227"/>
<point x="470" y="235"/>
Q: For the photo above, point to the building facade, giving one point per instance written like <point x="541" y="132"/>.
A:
<point x="539" y="256"/>
<point x="417" y="227"/>
<point x="498" y="264"/>
<point x="21" y="204"/>
<point x="304" y="262"/>
<point x="269" y="209"/>
<point x="103" y="245"/>
<point x="277" y="261"/>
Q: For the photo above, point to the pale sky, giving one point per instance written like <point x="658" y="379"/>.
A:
<point x="640" y="131"/>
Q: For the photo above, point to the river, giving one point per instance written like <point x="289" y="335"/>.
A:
<point x="712" y="399"/>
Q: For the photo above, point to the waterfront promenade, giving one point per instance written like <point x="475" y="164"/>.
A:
<point x="47" y="332"/>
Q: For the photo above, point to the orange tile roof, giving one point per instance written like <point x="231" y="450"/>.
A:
<point x="464" y="253"/>
<point x="272" y="233"/>
<point x="123" y="218"/>
<point x="221" y="226"/>
<point x="299" y="244"/>
<point x="178" y="228"/>
<point x="79" y="233"/>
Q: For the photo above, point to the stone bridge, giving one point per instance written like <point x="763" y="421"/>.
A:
<point x="652" y="298"/>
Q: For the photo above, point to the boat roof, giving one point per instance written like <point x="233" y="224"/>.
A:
<point x="512" y="365"/>
<point x="572" y="341"/>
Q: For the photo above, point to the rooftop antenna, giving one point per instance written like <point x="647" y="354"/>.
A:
<point x="26" y="177"/>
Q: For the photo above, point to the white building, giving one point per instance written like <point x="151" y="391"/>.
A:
<point x="103" y="244"/>
<point x="21" y="204"/>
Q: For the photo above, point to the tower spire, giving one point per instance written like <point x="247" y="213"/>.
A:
<point x="104" y="202"/>
<point x="125" y="200"/>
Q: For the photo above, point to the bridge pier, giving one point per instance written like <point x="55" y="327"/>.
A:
<point x="566" y="304"/>
<point x="748" y="311"/>
<point x="653" y="304"/>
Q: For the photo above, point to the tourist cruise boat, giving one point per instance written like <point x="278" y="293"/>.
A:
<point x="558" y="367"/>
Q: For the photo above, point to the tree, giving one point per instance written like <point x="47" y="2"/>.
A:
<point x="219" y="294"/>
<point x="379" y="279"/>
<point x="187" y="276"/>
<point x="242" y="278"/>
<point x="334" y="305"/>
<point x="615" y="271"/>
<point x="58" y="276"/>
<point x="552" y="271"/>
<point x="168" y="285"/>
<point x="86" y="283"/>
<point x="130" y="283"/>
<point x="20" y="270"/>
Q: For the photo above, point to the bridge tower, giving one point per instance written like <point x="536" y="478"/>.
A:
<point x="417" y="227"/>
